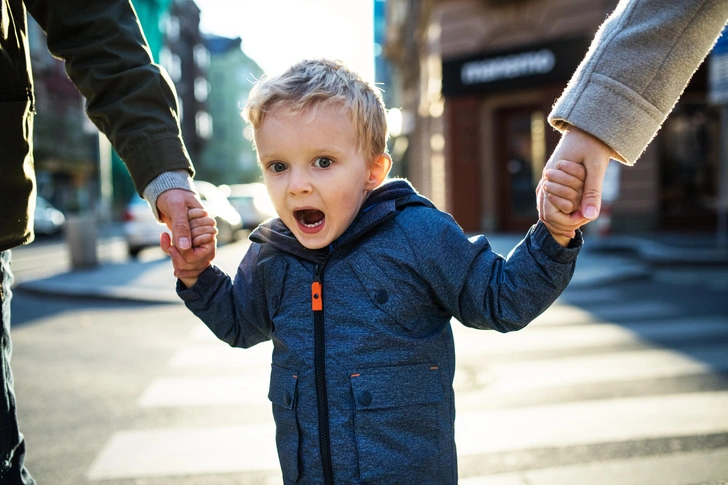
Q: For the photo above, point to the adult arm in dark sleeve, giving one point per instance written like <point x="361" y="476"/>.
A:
<point x="128" y="97"/>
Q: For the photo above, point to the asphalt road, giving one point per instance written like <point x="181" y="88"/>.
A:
<point x="619" y="384"/>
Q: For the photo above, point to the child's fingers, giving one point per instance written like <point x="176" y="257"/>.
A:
<point x="203" y="229"/>
<point x="165" y="242"/>
<point x="196" y="213"/>
<point x="572" y="168"/>
<point x="564" y="192"/>
<point x="202" y="222"/>
<point x="563" y="178"/>
<point x="202" y="239"/>
<point x="563" y="205"/>
<point x="203" y="235"/>
<point x="560" y="221"/>
<point x="190" y="265"/>
<point x="554" y="217"/>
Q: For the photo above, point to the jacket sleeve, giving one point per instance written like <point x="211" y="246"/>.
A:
<point x="483" y="289"/>
<point x="637" y="67"/>
<point x="128" y="97"/>
<point x="237" y="313"/>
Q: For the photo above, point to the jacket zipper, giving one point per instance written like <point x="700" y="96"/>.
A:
<point x="319" y="353"/>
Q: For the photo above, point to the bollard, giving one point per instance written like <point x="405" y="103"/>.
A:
<point x="81" y="234"/>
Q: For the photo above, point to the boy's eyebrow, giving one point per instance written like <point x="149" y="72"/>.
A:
<point x="321" y="150"/>
<point x="271" y="156"/>
<point x="328" y="149"/>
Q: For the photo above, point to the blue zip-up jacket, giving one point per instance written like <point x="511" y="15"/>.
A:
<point x="363" y="356"/>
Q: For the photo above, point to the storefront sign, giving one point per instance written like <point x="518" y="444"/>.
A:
<point x="531" y="66"/>
<point x="508" y="67"/>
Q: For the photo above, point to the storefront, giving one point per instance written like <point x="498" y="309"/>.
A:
<point x="505" y="96"/>
<point x="479" y="137"/>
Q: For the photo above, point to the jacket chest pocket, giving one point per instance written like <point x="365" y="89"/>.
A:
<point x="386" y="295"/>
<point x="397" y="423"/>
<point x="282" y="393"/>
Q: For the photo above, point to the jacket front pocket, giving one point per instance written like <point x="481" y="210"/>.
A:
<point x="384" y="294"/>
<point x="396" y="423"/>
<point x="282" y="393"/>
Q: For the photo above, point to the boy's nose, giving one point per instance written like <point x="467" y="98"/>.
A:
<point x="299" y="182"/>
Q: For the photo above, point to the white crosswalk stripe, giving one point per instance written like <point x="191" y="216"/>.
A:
<point x="583" y="423"/>
<point x="566" y="348"/>
<point x="179" y="451"/>
<point x="686" y="468"/>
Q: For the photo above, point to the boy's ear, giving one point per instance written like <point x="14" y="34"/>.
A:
<point x="378" y="171"/>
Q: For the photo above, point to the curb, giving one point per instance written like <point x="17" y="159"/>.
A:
<point x="132" y="295"/>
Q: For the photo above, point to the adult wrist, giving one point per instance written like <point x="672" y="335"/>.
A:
<point x="174" y="179"/>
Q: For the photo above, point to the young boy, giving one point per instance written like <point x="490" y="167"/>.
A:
<point x="356" y="284"/>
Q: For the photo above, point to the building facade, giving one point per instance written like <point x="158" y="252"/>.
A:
<point x="230" y="159"/>
<point x="477" y="80"/>
<point x="186" y="59"/>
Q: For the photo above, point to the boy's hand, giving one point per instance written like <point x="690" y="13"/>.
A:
<point x="189" y="264"/>
<point x="563" y="188"/>
<point x="581" y="147"/>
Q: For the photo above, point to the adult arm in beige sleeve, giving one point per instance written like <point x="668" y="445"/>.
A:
<point x="637" y="67"/>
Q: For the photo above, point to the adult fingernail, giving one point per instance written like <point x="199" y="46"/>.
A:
<point x="590" y="212"/>
<point x="183" y="243"/>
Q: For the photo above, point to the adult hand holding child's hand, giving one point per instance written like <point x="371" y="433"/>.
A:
<point x="580" y="147"/>
<point x="189" y="264"/>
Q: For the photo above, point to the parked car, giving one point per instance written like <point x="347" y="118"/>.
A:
<point x="142" y="230"/>
<point x="216" y="204"/>
<point x="47" y="220"/>
<point x="251" y="201"/>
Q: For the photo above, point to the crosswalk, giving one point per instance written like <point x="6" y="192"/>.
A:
<point x="628" y="393"/>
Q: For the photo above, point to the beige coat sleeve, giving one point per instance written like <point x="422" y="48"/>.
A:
<point x="637" y="67"/>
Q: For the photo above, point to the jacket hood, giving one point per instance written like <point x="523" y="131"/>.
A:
<point x="383" y="203"/>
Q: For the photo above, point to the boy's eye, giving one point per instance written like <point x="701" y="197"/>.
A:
<point x="277" y="166"/>
<point x="322" y="162"/>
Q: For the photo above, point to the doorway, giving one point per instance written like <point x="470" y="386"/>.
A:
<point x="521" y="157"/>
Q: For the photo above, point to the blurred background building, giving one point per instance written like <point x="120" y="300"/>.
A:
<point x="477" y="78"/>
<point x="229" y="158"/>
<point x="186" y="58"/>
<point x="470" y="83"/>
<point x="67" y="173"/>
<point x="71" y="174"/>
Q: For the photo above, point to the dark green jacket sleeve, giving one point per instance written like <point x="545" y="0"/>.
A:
<point x="128" y="97"/>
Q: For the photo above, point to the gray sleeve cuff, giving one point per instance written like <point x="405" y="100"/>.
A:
<point x="175" y="179"/>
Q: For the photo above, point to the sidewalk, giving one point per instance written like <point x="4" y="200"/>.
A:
<point x="603" y="261"/>
<point x="148" y="281"/>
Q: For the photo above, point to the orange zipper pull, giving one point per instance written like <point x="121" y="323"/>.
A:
<point x="317" y="300"/>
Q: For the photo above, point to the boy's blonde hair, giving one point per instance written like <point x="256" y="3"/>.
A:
<point x="311" y="82"/>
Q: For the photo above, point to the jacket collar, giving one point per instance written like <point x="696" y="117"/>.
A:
<point x="382" y="204"/>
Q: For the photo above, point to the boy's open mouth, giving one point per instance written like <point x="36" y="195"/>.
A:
<point x="310" y="218"/>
